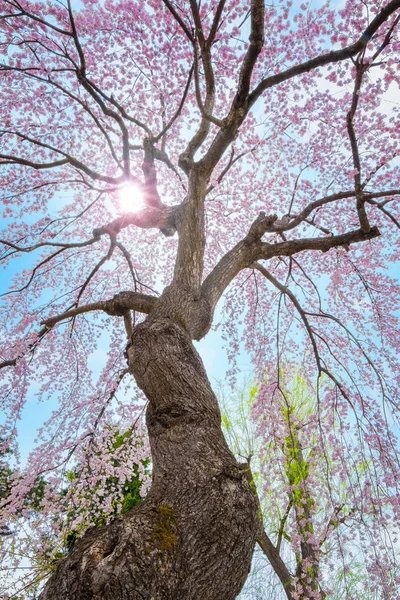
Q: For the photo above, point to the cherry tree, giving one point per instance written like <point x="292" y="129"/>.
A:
<point x="157" y="158"/>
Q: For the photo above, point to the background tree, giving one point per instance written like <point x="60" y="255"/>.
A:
<point x="257" y="134"/>
<point x="329" y="522"/>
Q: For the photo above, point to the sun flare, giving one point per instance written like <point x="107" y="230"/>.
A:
<point x="131" y="198"/>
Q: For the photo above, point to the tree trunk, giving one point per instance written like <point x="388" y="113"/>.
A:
<point x="193" y="536"/>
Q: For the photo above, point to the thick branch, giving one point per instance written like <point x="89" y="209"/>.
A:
<point x="251" y="249"/>
<point x="256" y="43"/>
<point x="276" y="563"/>
<point x="147" y="218"/>
<point x="150" y="192"/>
<point x="329" y="58"/>
<point x="6" y="159"/>
<point x="242" y="102"/>
<point x="216" y="23"/>
<point x="51" y="244"/>
<point x="189" y="260"/>
<point x="117" y="306"/>
<point x="362" y="215"/>
<point x="290" y="247"/>
<point x="207" y="117"/>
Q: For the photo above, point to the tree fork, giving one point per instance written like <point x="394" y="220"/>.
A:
<point x="194" y="534"/>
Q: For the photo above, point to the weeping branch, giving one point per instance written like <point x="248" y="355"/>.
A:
<point x="266" y="545"/>
<point x="251" y="249"/>
<point x="117" y="306"/>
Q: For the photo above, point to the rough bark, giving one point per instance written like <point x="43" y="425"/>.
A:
<point x="193" y="536"/>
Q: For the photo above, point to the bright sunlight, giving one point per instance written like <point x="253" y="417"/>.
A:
<point x="131" y="198"/>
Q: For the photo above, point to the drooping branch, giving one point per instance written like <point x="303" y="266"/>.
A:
<point x="75" y="98"/>
<point x="353" y="340"/>
<point x="85" y="82"/>
<point x="28" y="249"/>
<point x="34" y="271"/>
<point x="97" y="267"/>
<point x="102" y="100"/>
<point x="111" y="396"/>
<point x="381" y="207"/>
<point x="266" y="545"/>
<point x="6" y="159"/>
<point x="302" y="313"/>
<point x="282" y="524"/>
<point x="119" y="306"/>
<point x="81" y="75"/>
<point x="12" y="362"/>
<point x="336" y="520"/>
<point x="128" y="259"/>
<point x="286" y="224"/>
<point x="251" y="249"/>
<point x="169" y="124"/>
